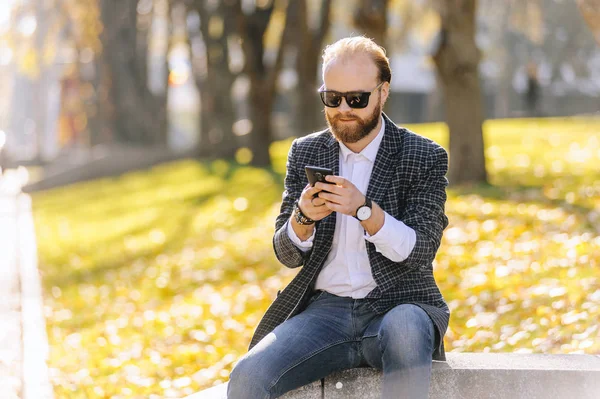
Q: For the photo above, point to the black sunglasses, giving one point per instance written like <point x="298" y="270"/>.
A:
<point x="354" y="99"/>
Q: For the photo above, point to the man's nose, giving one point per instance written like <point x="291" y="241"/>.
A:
<point x="344" y="105"/>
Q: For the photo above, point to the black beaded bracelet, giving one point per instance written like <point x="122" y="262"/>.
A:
<point x="301" y="219"/>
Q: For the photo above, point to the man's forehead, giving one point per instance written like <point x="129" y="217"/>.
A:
<point x="358" y="62"/>
<point x="357" y="72"/>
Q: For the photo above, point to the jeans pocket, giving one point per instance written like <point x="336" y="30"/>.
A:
<point x="315" y="296"/>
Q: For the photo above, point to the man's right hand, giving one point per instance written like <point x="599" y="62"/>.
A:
<point x="313" y="207"/>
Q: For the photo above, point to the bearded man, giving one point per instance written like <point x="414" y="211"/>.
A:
<point x="366" y="295"/>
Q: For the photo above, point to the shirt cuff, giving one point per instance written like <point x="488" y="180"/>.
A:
<point x="394" y="240"/>
<point x="304" y="246"/>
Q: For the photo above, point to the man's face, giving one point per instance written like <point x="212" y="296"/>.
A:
<point x="356" y="73"/>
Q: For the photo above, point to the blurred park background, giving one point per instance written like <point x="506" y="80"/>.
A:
<point x="178" y="114"/>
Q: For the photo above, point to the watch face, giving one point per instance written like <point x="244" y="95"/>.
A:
<point x="363" y="213"/>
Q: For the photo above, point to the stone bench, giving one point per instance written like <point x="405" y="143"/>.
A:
<point x="469" y="375"/>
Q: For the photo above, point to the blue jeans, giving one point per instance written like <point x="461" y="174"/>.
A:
<point x="338" y="333"/>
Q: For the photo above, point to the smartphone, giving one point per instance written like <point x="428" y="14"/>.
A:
<point x="315" y="174"/>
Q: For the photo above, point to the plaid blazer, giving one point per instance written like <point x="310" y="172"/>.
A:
<point x="408" y="182"/>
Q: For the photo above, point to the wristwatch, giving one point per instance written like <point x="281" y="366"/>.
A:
<point x="364" y="211"/>
<point x="301" y="219"/>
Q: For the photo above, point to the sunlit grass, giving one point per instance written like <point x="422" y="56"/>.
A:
<point x="155" y="281"/>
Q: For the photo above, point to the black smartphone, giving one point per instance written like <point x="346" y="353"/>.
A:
<point x="315" y="174"/>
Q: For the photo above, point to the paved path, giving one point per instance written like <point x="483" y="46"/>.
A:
<point x="82" y="164"/>
<point x="23" y="340"/>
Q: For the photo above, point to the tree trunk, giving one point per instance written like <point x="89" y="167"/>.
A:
<point x="220" y="106"/>
<point x="100" y="111"/>
<point x="309" y="44"/>
<point x="217" y="111"/>
<point x="261" y="104"/>
<point x="509" y="60"/>
<point x="590" y="10"/>
<point x="371" y="17"/>
<point x="158" y="101"/>
<point x="205" y="147"/>
<point x="457" y="62"/>
<point x="139" y="117"/>
<point x="90" y="73"/>
<point x="199" y="73"/>
<point x="263" y="78"/>
<point x="309" y="113"/>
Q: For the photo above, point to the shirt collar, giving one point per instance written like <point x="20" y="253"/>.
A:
<point x="370" y="151"/>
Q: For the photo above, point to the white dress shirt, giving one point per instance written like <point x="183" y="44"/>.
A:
<point x="347" y="270"/>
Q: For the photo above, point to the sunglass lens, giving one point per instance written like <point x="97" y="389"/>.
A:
<point x="331" y="99"/>
<point x="357" y="100"/>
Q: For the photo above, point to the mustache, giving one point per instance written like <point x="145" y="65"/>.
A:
<point x="337" y="117"/>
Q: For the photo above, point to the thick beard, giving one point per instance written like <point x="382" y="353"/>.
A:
<point x="352" y="134"/>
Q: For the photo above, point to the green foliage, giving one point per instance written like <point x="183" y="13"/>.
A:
<point x="155" y="281"/>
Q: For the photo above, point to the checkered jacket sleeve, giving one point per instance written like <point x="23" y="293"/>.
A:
<point x="285" y="250"/>
<point x="424" y="211"/>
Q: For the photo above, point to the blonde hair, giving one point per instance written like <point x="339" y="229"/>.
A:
<point x="350" y="46"/>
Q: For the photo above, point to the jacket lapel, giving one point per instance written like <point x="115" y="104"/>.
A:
<point x="385" y="162"/>
<point x="328" y="157"/>
<point x="331" y="155"/>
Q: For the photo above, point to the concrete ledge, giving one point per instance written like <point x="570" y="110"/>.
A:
<point x="487" y="375"/>
<point x="310" y="391"/>
<point x="469" y="375"/>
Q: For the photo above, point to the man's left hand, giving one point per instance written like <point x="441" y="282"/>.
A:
<point x="342" y="196"/>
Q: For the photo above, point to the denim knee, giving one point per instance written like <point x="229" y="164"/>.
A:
<point x="407" y="329"/>
<point x="248" y="380"/>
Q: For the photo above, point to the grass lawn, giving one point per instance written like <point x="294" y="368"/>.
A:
<point x="154" y="281"/>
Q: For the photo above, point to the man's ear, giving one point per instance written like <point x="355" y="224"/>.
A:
<point x="385" y="92"/>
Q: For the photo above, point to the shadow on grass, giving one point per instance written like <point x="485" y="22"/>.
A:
<point x="173" y="240"/>
<point x="523" y="194"/>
